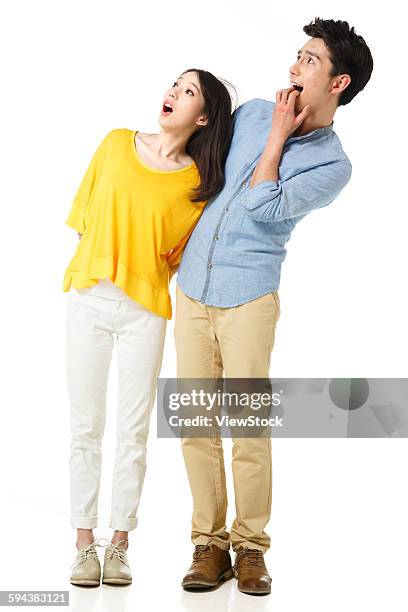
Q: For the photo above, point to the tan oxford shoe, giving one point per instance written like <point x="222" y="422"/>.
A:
<point x="86" y="567"/>
<point x="116" y="568"/>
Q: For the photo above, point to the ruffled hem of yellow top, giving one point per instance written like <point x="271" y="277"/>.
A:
<point x="156" y="300"/>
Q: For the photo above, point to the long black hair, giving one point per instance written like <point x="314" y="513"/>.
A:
<point x="209" y="145"/>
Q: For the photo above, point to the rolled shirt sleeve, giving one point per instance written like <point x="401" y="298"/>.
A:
<point x="279" y="200"/>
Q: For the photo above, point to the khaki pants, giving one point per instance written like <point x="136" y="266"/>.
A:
<point x="236" y="342"/>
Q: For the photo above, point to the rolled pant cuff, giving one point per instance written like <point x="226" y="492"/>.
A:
<point x="204" y="540"/>
<point x="251" y="545"/>
<point x="84" y="522"/>
<point x="123" y="524"/>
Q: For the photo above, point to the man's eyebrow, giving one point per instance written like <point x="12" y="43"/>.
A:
<point x="191" y="83"/>
<point x="309" y="53"/>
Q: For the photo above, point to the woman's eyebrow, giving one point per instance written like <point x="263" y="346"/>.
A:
<point x="191" y="83"/>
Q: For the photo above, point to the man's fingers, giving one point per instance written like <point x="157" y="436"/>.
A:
<point x="302" y="115"/>
<point x="292" y="97"/>
<point x="288" y="94"/>
<point x="284" y="96"/>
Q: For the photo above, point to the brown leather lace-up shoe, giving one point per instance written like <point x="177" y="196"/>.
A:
<point x="251" y="572"/>
<point x="211" y="565"/>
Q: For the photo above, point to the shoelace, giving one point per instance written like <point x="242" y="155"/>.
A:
<point x="84" y="553"/>
<point x="251" y="555"/>
<point x="202" y="552"/>
<point x="114" y="550"/>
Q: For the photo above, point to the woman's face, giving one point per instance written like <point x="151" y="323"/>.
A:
<point x="183" y="105"/>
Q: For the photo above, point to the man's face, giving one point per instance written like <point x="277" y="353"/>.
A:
<point x="311" y="71"/>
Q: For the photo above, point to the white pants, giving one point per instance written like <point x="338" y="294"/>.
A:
<point x="96" y="318"/>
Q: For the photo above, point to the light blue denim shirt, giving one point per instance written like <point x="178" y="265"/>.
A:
<point x="236" y="250"/>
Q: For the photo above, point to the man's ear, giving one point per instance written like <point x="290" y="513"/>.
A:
<point x="343" y="81"/>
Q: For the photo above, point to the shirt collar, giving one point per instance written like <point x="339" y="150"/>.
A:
<point x="317" y="132"/>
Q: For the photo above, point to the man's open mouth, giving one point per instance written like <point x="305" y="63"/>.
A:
<point x="299" y="88"/>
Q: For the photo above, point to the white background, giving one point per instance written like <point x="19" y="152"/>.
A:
<point x="72" y="71"/>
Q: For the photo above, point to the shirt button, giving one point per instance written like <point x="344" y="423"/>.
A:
<point x="216" y="238"/>
<point x="244" y="184"/>
<point x="209" y="266"/>
<point x="227" y="209"/>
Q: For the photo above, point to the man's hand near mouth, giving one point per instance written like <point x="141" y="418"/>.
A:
<point x="284" y="123"/>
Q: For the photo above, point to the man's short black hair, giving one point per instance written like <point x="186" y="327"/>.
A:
<point x="348" y="52"/>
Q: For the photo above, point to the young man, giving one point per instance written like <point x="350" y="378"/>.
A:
<point x="285" y="160"/>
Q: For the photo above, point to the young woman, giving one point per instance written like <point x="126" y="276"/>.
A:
<point x="134" y="211"/>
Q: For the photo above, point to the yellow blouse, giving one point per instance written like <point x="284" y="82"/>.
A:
<point x="135" y="222"/>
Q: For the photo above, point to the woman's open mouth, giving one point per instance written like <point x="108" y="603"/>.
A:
<point x="167" y="109"/>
